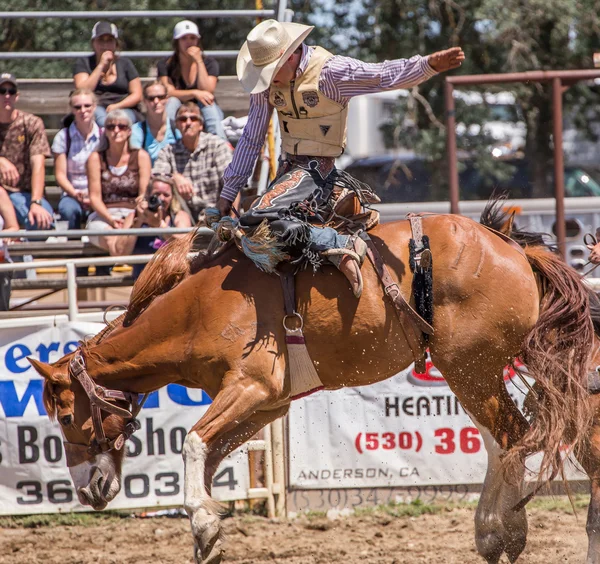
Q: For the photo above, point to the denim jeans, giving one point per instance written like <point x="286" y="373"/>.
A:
<point x="100" y="115"/>
<point x="212" y="115"/>
<point x="70" y="210"/>
<point x="324" y="238"/>
<point x="21" y="202"/>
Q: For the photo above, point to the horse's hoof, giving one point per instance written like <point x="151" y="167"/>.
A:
<point x="207" y="532"/>
<point x="215" y="556"/>
<point x="490" y="547"/>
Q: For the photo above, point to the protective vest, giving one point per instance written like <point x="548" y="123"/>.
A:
<point x="311" y="124"/>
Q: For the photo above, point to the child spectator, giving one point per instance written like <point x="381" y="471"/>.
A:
<point x="158" y="209"/>
<point x="23" y="151"/>
<point x="117" y="179"/>
<point x="190" y="75"/>
<point x="71" y="148"/>
<point x="156" y="131"/>
<point x="113" y="78"/>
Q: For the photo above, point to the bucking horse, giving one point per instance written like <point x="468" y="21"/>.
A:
<point x="216" y="324"/>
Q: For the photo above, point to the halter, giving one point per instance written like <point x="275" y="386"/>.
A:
<point x="100" y="398"/>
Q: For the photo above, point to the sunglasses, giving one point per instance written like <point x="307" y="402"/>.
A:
<point x="152" y="98"/>
<point x="81" y="106"/>
<point x="114" y="126"/>
<point x="183" y="119"/>
<point x="10" y="91"/>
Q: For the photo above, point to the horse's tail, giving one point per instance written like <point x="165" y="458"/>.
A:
<point x="167" y="268"/>
<point x="556" y="353"/>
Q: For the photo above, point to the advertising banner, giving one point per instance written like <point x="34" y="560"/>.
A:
<point x="33" y="474"/>
<point x="409" y="430"/>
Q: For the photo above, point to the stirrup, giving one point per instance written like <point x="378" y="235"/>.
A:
<point x="348" y="261"/>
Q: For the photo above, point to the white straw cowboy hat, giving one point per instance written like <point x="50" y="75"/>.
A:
<point x="267" y="48"/>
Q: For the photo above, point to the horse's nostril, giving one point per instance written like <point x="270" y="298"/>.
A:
<point x="66" y="420"/>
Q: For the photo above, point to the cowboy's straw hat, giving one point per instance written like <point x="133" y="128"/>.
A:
<point x="267" y="48"/>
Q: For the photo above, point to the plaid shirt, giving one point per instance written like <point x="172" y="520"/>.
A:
<point x="203" y="167"/>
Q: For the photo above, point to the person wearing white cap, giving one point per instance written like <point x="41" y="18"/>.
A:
<point x="310" y="88"/>
<point x="112" y="78"/>
<point x="189" y="74"/>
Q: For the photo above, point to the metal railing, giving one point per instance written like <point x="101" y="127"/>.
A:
<point x="78" y="233"/>
<point x="280" y="12"/>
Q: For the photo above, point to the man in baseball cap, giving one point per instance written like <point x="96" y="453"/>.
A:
<point x="310" y="88"/>
<point x="23" y="150"/>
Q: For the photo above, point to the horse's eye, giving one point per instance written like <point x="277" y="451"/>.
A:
<point x="66" y="420"/>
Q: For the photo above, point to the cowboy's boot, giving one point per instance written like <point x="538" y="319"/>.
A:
<point x="349" y="260"/>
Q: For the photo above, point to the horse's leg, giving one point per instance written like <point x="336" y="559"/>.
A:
<point x="232" y="414"/>
<point x="589" y="458"/>
<point x="498" y="527"/>
<point x="481" y="391"/>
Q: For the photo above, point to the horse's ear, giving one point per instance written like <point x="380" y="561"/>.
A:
<point x="43" y="369"/>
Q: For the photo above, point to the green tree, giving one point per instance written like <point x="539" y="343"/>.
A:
<point x="507" y="36"/>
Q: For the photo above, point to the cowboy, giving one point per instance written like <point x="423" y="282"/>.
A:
<point x="310" y="88"/>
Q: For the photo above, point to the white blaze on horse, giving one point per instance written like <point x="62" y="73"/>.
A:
<point x="217" y="325"/>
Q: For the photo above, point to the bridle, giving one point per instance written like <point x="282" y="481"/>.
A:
<point x="100" y="399"/>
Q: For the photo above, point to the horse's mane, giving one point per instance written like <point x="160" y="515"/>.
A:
<point x="169" y="266"/>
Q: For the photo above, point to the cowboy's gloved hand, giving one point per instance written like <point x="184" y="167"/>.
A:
<point x="446" y="60"/>
<point x="595" y="253"/>
<point x="224" y="207"/>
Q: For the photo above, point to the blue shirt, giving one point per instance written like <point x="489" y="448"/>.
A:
<point x="152" y="146"/>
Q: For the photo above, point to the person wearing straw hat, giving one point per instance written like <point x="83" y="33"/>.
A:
<point x="310" y="88"/>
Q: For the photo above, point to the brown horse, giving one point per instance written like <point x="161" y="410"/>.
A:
<point x="220" y="329"/>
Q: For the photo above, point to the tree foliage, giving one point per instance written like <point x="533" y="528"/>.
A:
<point x="498" y="37"/>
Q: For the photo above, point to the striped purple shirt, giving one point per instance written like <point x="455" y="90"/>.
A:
<point x="341" y="79"/>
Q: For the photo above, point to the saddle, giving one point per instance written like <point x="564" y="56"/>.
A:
<point x="349" y="213"/>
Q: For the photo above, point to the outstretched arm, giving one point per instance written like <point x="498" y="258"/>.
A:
<point x="344" y="77"/>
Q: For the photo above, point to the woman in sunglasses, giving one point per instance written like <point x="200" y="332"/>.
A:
<point x="188" y="74"/>
<point x="114" y="79"/>
<point x="156" y="131"/>
<point x="117" y="178"/>
<point x="71" y="148"/>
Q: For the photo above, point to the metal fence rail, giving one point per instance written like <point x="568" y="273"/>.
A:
<point x="115" y="14"/>
<point x="222" y="54"/>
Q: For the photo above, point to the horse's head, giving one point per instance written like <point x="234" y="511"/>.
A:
<point x="95" y="423"/>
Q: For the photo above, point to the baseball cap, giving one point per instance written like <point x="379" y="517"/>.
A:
<point x="184" y="28"/>
<point x="7" y="77"/>
<point x="105" y="28"/>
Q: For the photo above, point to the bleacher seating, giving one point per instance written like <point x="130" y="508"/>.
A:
<point x="49" y="99"/>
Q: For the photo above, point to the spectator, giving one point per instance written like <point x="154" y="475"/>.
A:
<point x="117" y="177"/>
<point x="190" y="75"/>
<point x="159" y="209"/>
<point x="71" y="148"/>
<point x="196" y="162"/>
<point x="156" y="131"/>
<point x="23" y="151"/>
<point x="113" y="78"/>
<point x="8" y="222"/>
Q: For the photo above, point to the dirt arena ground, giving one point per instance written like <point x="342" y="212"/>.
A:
<point x="382" y="536"/>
